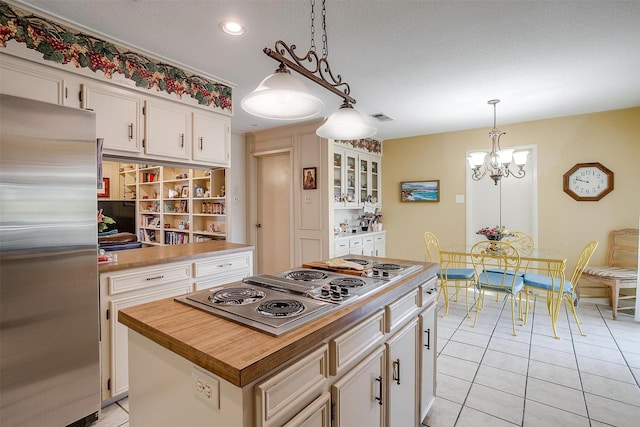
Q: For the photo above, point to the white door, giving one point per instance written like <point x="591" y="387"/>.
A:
<point x="274" y="203"/>
<point x="512" y="203"/>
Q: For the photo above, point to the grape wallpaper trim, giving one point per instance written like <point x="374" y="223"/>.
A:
<point x="367" y="144"/>
<point x="64" y="45"/>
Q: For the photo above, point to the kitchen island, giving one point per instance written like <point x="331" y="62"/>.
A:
<point x="190" y="367"/>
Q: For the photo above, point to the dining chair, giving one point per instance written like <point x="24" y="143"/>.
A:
<point x="455" y="278"/>
<point x="557" y="289"/>
<point x="498" y="265"/>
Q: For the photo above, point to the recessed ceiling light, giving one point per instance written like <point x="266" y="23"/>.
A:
<point x="232" y="28"/>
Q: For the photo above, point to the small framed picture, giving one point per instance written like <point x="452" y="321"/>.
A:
<point x="185" y="191"/>
<point x="420" y="191"/>
<point x="309" y="179"/>
<point x="198" y="191"/>
<point x="104" y="191"/>
<point x="184" y="207"/>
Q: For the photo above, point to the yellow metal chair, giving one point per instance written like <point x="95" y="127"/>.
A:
<point x="449" y="276"/>
<point x="558" y="290"/>
<point x="498" y="265"/>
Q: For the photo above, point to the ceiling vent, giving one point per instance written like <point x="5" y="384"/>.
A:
<point x="382" y="117"/>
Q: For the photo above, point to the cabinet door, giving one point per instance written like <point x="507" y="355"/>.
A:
<point x="380" y="245"/>
<point x="375" y="180"/>
<point x="339" y="191"/>
<point x="118" y="333"/>
<point x="359" y="397"/>
<point x="402" y="369"/>
<point x="117" y="116"/>
<point x="211" y="139"/>
<point x="427" y="359"/>
<point x="31" y="81"/>
<point x="351" y="179"/>
<point x="167" y="130"/>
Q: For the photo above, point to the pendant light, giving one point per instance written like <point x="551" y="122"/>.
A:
<point x="282" y="97"/>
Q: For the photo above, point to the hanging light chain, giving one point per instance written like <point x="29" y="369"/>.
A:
<point x="325" y="47"/>
<point x="313" y="27"/>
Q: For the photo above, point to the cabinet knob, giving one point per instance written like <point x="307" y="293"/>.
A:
<point x="258" y="225"/>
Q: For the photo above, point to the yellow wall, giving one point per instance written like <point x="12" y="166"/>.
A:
<point x="611" y="138"/>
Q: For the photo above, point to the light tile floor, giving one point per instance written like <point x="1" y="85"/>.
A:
<point x="488" y="377"/>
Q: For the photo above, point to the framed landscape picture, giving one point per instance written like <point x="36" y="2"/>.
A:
<point x="420" y="191"/>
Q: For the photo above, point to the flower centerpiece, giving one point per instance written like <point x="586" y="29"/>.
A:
<point x="497" y="232"/>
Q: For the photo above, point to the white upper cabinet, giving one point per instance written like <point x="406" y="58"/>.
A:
<point x="167" y="130"/>
<point x="118" y="116"/>
<point x="211" y="139"/>
<point x="32" y="81"/>
<point x="357" y="178"/>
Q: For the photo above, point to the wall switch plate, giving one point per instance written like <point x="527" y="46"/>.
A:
<point x="205" y="387"/>
<point x="307" y="199"/>
<point x="459" y="198"/>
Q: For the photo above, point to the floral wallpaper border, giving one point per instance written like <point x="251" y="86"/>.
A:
<point x="367" y="144"/>
<point x="64" y="45"/>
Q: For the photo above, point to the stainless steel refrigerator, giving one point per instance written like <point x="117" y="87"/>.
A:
<point x="49" y="332"/>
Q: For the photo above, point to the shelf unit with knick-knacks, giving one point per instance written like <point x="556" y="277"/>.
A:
<point x="176" y="205"/>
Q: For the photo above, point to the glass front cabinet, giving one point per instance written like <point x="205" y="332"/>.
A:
<point x="356" y="178"/>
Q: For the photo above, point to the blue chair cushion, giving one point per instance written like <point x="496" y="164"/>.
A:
<point x="544" y="282"/>
<point x="495" y="279"/>
<point x="457" y="274"/>
<point x="519" y="273"/>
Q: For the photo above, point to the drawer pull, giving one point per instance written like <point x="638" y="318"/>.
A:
<point x="155" y="278"/>
<point x="396" y="371"/>
<point x="379" y="399"/>
<point x="225" y="265"/>
<point x="130" y="130"/>
<point x="428" y="344"/>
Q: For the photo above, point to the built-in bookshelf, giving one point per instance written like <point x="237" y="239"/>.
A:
<point x="176" y="205"/>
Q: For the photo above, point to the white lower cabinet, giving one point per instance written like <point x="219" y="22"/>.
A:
<point x="316" y="414"/>
<point x="427" y="344"/>
<point x="359" y="395"/>
<point x="402" y="380"/>
<point x="367" y="244"/>
<point x="129" y="287"/>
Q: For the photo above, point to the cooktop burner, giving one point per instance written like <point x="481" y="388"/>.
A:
<point x="281" y="308"/>
<point x="236" y="296"/>
<point x="348" y="282"/>
<point x="306" y="275"/>
<point x="387" y="267"/>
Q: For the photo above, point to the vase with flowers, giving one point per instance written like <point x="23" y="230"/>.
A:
<point x="104" y="222"/>
<point x="497" y="232"/>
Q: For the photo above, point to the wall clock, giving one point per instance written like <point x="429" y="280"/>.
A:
<point x="588" y="181"/>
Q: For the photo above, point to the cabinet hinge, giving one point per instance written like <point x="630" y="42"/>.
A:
<point x="108" y="313"/>
<point x="144" y="111"/>
<point x="109" y="384"/>
<point x="143" y="143"/>
<point x="80" y="96"/>
<point x="333" y="411"/>
<point x="66" y="92"/>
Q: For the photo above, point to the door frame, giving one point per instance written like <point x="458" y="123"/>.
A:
<point x="252" y="232"/>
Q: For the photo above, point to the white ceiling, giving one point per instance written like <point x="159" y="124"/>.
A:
<point x="430" y="65"/>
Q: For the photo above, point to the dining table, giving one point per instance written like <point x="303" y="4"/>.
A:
<point x="550" y="262"/>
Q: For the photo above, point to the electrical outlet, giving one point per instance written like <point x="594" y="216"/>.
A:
<point x="206" y="387"/>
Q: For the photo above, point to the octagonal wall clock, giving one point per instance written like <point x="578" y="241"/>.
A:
<point x="588" y="182"/>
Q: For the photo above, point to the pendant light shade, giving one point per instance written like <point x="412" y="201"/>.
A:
<point x="281" y="96"/>
<point x="346" y="123"/>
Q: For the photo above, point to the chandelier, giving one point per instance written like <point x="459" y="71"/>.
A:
<point x="281" y="96"/>
<point x="497" y="163"/>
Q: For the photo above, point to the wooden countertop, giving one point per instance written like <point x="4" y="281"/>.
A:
<point x="152" y="255"/>
<point x="239" y="354"/>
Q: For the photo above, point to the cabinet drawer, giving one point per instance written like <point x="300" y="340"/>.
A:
<point x="367" y="240"/>
<point x="401" y="309"/>
<point x="340" y="245"/>
<point x="222" y="264"/>
<point x="222" y="279"/>
<point x="286" y="393"/>
<point x="355" y="343"/>
<point x="379" y="237"/>
<point x="355" y="242"/>
<point x="428" y="292"/>
<point x="145" y="277"/>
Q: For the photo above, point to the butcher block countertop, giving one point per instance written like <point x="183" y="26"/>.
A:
<point x="153" y="255"/>
<point x="241" y="355"/>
